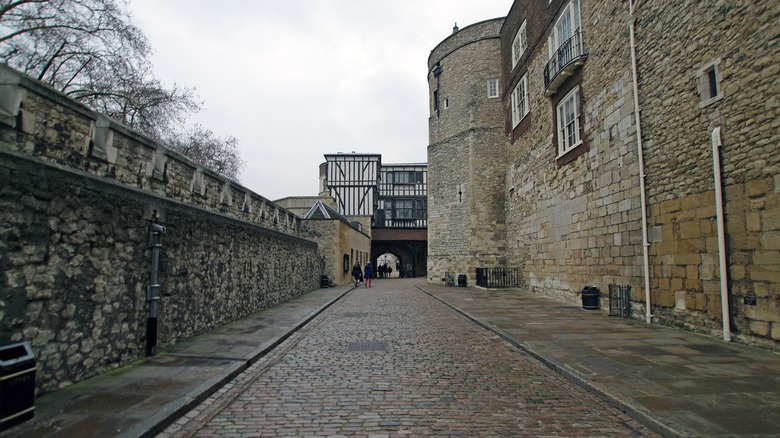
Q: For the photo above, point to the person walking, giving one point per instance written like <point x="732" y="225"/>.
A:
<point x="368" y="274"/>
<point x="357" y="273"/>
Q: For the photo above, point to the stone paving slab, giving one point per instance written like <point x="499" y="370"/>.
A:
<point x="141" y="399"/>
<point x="681" y="383"/>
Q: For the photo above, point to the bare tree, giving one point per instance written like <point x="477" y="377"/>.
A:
<point x="202" y="145"/>
<point x="90" y="51"/>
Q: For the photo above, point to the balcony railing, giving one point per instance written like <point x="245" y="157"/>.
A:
<point x="499" y="278"/>
<point x="564" y="62"/>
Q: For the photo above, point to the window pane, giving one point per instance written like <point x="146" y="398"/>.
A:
<point x="568" y="122"/>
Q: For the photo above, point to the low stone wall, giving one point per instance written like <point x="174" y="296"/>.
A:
<point x="75" y="247"/>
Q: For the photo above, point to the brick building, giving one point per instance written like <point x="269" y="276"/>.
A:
<point x="581" y="142"/>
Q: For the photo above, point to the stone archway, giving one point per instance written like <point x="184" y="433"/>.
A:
<point x="412" y="256"/>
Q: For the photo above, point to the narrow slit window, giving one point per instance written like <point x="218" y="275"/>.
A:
<point x="709" y="83"/>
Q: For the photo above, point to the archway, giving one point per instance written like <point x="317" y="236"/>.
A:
<point x="387" y="265"/>
<point x="411" y="261"/>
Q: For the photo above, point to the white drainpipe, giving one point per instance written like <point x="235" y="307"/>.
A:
<point x="641" y="162"/>
<point x="724" y="281"/>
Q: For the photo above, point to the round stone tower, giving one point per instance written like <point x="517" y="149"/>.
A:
<point x="466" y="147"/>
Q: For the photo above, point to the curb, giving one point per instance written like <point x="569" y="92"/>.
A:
<point x="177" y="408"/>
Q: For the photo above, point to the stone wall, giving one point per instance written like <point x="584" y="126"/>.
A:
<point x="576" y="222"/>
<point x="579" y="223"/>
<point x="75" y="245"/>
<point x="337" y="239"/>
<point x="576" y="219"/>
<point x="465" y="179"/>
<point x="40" y="122"/>
<point x="674" y="47"/>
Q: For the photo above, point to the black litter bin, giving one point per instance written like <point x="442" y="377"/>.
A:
<point x="462" y="280"/>
<point x="590" y="298"/>
<point x="17" y="384"/>
<point x="324" y="281"/>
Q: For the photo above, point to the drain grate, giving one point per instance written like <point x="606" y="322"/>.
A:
<point x="367" y="346"/>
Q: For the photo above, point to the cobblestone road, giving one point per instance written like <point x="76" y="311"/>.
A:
<point x="391" y="361"/>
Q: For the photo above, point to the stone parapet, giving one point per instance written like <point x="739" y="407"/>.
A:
<point x="37" y="121"/>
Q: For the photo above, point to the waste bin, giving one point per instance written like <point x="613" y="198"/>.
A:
<point x="17" y="383"/>
<point x="462" y="280"/>
<point x="324" y="281"/>
<point x="590" y="298"/>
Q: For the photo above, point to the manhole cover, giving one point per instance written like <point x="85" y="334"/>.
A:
<point x="367" y="346"/>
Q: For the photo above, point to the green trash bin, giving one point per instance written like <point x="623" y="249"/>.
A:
<point x="17" y="383"/>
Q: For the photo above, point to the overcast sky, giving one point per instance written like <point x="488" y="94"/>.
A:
<point x="296" y="79"/>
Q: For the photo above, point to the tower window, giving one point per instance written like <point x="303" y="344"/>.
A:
<point x="709" y="84"/>
<point x="492" y="88"/>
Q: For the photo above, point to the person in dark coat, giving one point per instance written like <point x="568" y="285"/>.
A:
<point x="357" y="274"/>
<point x="368" y="274"/>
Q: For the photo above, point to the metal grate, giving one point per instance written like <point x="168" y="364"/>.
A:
<point x="620" y="300"/>
<point x="367" y="346"/>
<point x="499" y="278"/>
<point x="449" y="279"/>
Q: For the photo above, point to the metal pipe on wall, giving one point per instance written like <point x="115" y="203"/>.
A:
<point x="153" y="291"/>
<point x="641" y="163"/>
<point x="717" y="143"/>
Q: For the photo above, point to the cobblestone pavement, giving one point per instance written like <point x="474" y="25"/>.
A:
<point x="391" y="361"/>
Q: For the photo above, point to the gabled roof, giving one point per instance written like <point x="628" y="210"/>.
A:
<point x="322" y="211"/>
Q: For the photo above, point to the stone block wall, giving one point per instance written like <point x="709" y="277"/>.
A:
<point x="75" y="245"/>
<point x="337" y="239"/>
<point x="675" y="49"/>
<point x="576" y="222"/>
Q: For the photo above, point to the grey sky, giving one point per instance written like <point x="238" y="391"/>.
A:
<point x="296" y="79"/>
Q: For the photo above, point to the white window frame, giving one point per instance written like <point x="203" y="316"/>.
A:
<point x="492" y="88"/>
<point x="566" y="26"/>
<point x="519" y="44"/>
<point x="521" y="106"/>
<point x="568" y="123"/>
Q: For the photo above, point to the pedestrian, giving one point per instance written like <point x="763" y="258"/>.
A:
<point x="357" y="273"/>
<point x="368" y="274"/>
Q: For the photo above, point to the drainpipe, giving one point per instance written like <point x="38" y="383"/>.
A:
<point x="153" y="291"/>
<point x="641" y="163"/>
<point x="717" y="143"/>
